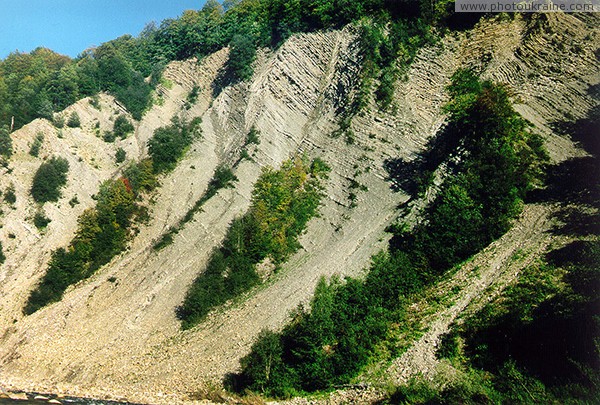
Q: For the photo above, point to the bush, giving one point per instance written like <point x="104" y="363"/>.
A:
<point x="120" y="156"/>
<point x="253" y="137"/>
<point x="140" y="176"/>
<point x="122" y="127"/>
<point x="6" y="147"/>
<point x="2" y="257"/>
<point x="331" y="343"/>
<point x="109" y="136"/>
<point x="9" y="195"/>
<point x="74" y="121"/>
<point x="102" y="233"/>
<point x="59" y="121"/>
<point x="241" y="56"/>
<point x="40" y="220"/>
<point x="36" y="145"/>
<point x="502" y="162"/>
<point x="192" y="97"/>
<point x="169" y="144"/>
<point x="74" y="201"/>
<point x="50" y="177"/>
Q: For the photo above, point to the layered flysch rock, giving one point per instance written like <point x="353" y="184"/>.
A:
<point x="116" y="334"/>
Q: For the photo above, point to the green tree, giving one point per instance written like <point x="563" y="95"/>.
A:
<point x="242" y="55"/>
<point x="50" y="177"/>
<point x="6" y="147"/>
<point x="264" y="365"/>
<point x="122" y="127"/>
<point x="120" y="156"/>
<point x="74" y="121"/>
<point x="2" y="256"/>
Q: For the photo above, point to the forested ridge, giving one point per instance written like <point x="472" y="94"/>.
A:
<point x="37" y="84"/>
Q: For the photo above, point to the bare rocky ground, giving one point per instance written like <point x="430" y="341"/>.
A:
<point x="115" y="335"/>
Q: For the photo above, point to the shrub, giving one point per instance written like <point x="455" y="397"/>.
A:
<point x="502" y="161"/>
<point x="6" y="146"/>
<point x="253" y="137"/>
<point x="50" y="177"/>
<point x="36" y="145"/>
<point x="9" y="195"/>
<point x="40" y="220"/>
<point x="109" y="136"/>
<point x="122" y="127"/>
<point x="140" y="176"/>
<point x="192" y="97"/>
<point x="74" y="121"/>
<point x="2" y="257"/>
<point x="169" y="144"/>
<point x="95" y="102"/>
<point x="331" y="343"/>
<point x="102" y="233"/>
<point x="74" y="201"/>
<point x="59" y="121"/>
<point x="241" y="56"/>
<point x="120" y="156"/>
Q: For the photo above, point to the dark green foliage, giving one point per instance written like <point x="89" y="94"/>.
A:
<point x="50" y="177"/>
<point x="253" y="137"/>
<point x="40" y="220"/>
<point x="223" y="178"/>
<point x="73" y="201"/>
<point x="2" y="256"/>
<point x="502" y="161"/>
<point x="538" y="317"/>
<point x="36" y="84"/>
<point x="120" y="156"/>
<point x="329" y="345"/>
<point x="169" y="144"/>
<point x="192" y="97"/>
<point x="536" y="343"/>
<point x="388" y="49"/>
<point x="241" y="56"/>
<point x="264" y="365"/>
<point x="36" y="145"/>
<point x="122" y="127"/>
<point x="58" y="121"/>
<point x="9" y="194"/>
<point x="74" y="121"/>
<point x="283" y="202"/>
<point x="109" y="136"/>
<point x="6" y="148"/>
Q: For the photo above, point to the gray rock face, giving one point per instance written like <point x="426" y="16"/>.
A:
<point x="121" y="339"/>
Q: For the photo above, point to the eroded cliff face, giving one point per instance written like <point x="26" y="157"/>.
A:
<point x="116" y="334"/>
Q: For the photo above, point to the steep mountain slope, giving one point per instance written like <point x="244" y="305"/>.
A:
<point x="116" y="334"/>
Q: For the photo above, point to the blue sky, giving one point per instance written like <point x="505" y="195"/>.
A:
<point x="71" y="26"/>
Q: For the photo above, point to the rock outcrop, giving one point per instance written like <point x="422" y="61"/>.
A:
<point x="116" y="334"/>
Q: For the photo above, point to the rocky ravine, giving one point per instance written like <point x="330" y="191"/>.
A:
<point x="121" y="338"/>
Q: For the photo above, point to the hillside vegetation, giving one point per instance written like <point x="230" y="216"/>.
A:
<point x="537" y="341"/>
<point x="272" y="197"/>
<point x="283" y="201"/>
<point x="330" y="344"/>
<point x="104" y="231"/>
